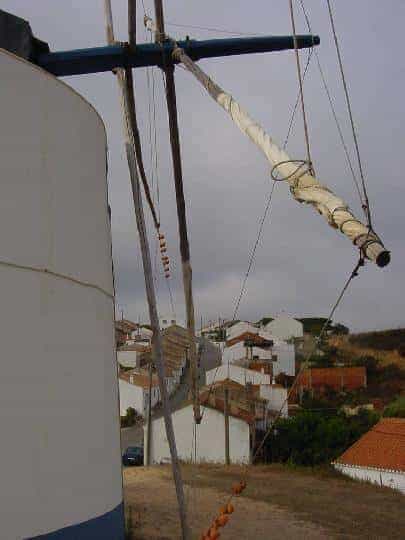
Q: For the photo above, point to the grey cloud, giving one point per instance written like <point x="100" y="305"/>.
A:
<point x="301" y="263"/>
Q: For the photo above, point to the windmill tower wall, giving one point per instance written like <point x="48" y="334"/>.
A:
<point x="60" y="464"/>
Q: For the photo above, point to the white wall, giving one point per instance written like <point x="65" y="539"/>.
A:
<point x="167" y="321"/>
<point x="285" y="327"/>
<point x="392" y="479"/>
<point x="238" y="374"/>
<point x="131" y="396"/>
<point x="276" y="398"/>
<point x="285" y="353"/>
<point x="58" y="385"/>
<point x="240" y="328"/>
<point x="210" y="438"/>
<point x="234" y="354"/>
<point x="128" y="358"/>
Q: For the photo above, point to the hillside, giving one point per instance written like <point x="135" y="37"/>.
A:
<point x="386" y="340"/>
<point x="385" y="346"/>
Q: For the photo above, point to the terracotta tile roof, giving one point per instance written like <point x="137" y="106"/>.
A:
<point x="139" y="378"/>
<point x="135" y="347"/>
<point x="382" y="447"/>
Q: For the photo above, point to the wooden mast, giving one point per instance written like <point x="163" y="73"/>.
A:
<point x="181" y="209"/>
<point x="129" y="117"/>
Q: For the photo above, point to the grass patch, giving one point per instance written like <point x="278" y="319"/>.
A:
<point x="320" y="495"/>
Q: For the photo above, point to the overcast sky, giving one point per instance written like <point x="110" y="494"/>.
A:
<point x="301" y="263"/>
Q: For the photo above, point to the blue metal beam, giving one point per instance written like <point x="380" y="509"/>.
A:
<point x="99" y="59"/>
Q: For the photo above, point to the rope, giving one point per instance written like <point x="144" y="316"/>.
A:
<point x="304" y="364"/>
<point x="298" y="98"/>
<point x="57" y="275"/>
<point x="366" y="204"/>
<point x="253" y="253"/>
<point x="262" y="221"/>
<point x="300" y="81"/>
<point x="154" y="161"/>
<point x="210" y="29"/>
<point x="333" y="110"/>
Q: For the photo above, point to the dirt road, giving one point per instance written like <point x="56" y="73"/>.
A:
<point x="152" y="497"/>
<point x="278" y="503"/>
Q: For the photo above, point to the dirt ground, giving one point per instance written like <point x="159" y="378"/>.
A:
<point x="278" y="503"/>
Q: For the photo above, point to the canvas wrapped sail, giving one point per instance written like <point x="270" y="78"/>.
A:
<point x="304" y="187"/>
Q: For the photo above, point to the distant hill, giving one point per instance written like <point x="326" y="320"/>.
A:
<point x="382" y="340"/>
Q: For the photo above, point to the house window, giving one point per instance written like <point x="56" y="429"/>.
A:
<point x="164" y="321"/>
<point x="173" y="321"/>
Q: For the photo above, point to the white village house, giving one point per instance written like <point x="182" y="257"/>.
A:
<point x="134" y="391"/>
<point x="378" y="456"/>
<point x="141" y="336"/>
<point x="210" y="443"/>
<point x="237" y="374"/>
<point x="285" y="328"/>
<point x="239" y="328"/>
<point x="276" y="397"/>
<point x="129" y="356"/>
<point x="280" y="355"/>
<point x="166" y="321"/>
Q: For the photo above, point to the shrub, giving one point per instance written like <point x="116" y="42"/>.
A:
<point x="396" y="408"/>
<point x="312" y="438"/>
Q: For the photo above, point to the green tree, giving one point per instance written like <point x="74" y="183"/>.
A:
<point x="396" y="408"/>
<point x="313" y="438"/>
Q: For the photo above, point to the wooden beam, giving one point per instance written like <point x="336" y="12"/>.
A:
<point x="181" y="211"/>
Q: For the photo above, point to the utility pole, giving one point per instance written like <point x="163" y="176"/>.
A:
<point x="252" y="406"/>
<point x="149" y="420"/>
<point x="181" y="209"/>
<point x="226" y="417"/>
<point x="129" y="118"/>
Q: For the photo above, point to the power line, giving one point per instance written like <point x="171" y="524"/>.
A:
<point x="253" y="253"/>
<point x="333" y="110"/>
<point x="304" y="364"/>
<point x="210" y="29"/>
<point x="366" y="204"/>
<point x="262" y="221"/>
<point x="300" y="82"/>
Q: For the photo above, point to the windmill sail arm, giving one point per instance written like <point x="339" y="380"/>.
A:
<point x="304" y="187"/>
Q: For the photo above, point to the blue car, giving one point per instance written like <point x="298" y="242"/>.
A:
<point x="133" y="456"/>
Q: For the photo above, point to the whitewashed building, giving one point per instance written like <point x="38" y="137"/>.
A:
<point x="210" y="444"/>
<point x="238" y="374"/>
<point x="129" y="356"/>
<point x="378" y="456"/>
<point x="134" y="391"/>
<point x="283" y="358"/>
<point x="281" y="355"/>
<point x="140" y="336"/>
<point x="285" y="327"/>
<point x="166" y="321"/>
<point x="276" y="397"/>
<point x="239" y="328"/>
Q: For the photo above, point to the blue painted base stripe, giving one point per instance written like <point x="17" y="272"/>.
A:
<point x="109" y="526"/>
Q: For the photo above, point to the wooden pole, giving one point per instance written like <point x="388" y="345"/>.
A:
<point x="132" y="23"/>
<point x="149" y="420"/>
<point x="181" y="210"/>
<point x="128" y="103"/>
<point x="226" y="416"/>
